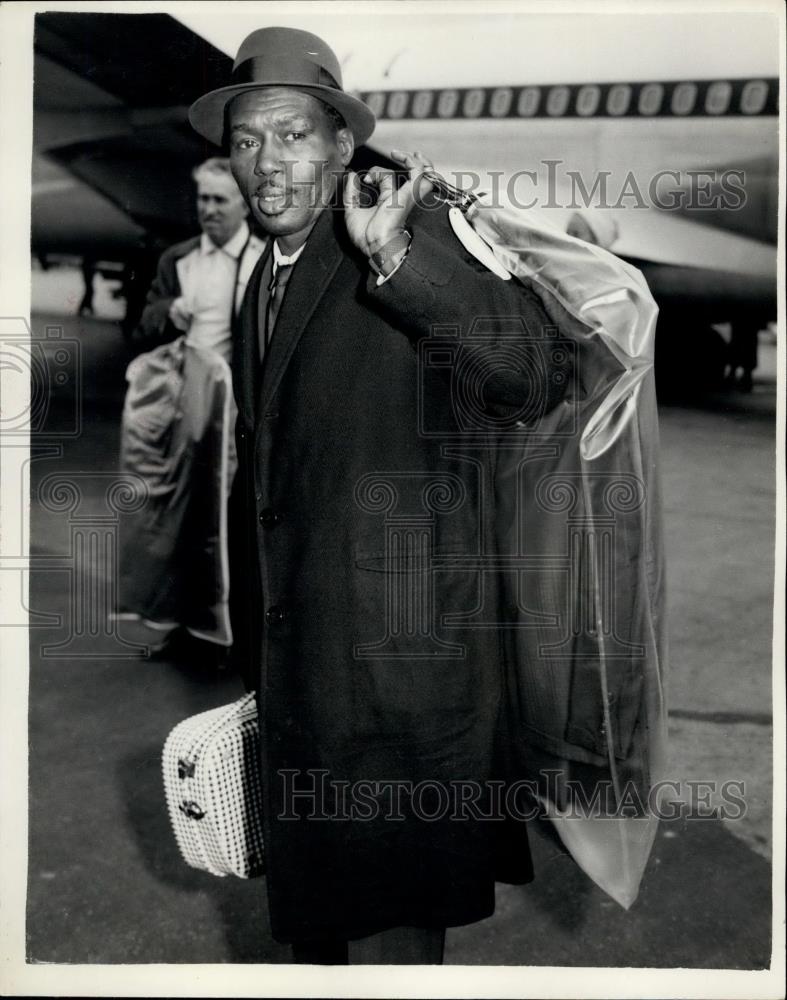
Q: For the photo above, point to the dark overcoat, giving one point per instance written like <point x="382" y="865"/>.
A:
<point x="373" y="647"/>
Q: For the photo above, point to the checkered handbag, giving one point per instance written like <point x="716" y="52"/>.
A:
<point x="212" y="784"/>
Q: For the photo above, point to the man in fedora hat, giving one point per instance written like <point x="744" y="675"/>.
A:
<point x="353" y="485"/>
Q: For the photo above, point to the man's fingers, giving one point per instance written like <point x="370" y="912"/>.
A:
<point x="418" y="164"/>
<point x="375" y="207"/>
<point x="421" y="187"/>
<point x="352" y="190"/>
<point x="375" y="174"/>
<point x="414" y="161"/>
<point x="384" y="180"/>
<point x="356" y="195"/>
<point x="415" y="190"/>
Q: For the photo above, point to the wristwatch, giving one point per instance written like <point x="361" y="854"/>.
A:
<point x="383" y="261"/>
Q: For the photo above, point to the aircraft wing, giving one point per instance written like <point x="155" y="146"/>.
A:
<point x="113" y="149"/>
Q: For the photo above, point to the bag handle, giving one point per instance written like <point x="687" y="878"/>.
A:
<point x="188" y="762"/>
<point x="449" y="194"/>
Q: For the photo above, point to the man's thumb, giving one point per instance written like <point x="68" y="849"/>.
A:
<point x="352" y="190"/>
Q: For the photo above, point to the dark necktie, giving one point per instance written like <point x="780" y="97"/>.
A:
<point x="275" y="295"/>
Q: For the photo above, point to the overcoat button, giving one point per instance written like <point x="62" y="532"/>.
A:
<point x="269" y="518"/>
<point x="275" y="615"/>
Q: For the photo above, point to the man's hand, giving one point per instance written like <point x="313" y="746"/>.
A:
<point x="180" y="314"/>
<point x="370" y="228"/>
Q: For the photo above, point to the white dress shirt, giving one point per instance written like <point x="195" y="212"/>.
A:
<point x="213" y="281"/>
<point x="280" y="258"/>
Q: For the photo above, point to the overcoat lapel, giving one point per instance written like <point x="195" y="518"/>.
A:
<point x="307" y="285"/>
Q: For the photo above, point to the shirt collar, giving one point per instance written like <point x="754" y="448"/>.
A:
<point x="232" y="247"/>
<point x="279" y="258"/>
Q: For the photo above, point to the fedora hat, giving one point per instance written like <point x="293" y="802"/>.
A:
<point x="283" y="57"/>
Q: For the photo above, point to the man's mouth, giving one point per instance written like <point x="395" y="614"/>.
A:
<point x="273" y="197"/>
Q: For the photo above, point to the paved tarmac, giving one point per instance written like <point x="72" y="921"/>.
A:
<point x="107" y="885"/>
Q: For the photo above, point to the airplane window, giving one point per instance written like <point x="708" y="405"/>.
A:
<point x="422" y="103"/>
<point x="500" y="103"/>
<point x="618" y="99"/>
<point x="683" y="98"/>
<point x="397" y="104"/>
<point x="557" y="101"/>
<point x="447" y="103"/>
<point x="529" y="98"/>
<point x="650" y="98"/>
<point x="753" y="97"/>
<point x="588" y="99"/>
<point x="473" y="103"/>
<point x="717" y="100"/>
<point x="376" y="103"/>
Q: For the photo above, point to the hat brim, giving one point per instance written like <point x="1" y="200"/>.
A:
<point x="207" y="113"/>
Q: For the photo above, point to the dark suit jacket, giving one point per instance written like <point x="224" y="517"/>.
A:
<point x="154" y="326"/>
<point x="351" y="485"/>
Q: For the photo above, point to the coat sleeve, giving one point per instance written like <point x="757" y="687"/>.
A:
<point x="515" y="345"/>
<point x="154" y="325"/>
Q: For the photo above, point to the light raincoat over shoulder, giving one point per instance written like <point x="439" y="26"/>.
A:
<point x="578" y="525"/>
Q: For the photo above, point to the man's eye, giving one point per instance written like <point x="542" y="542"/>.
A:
<point x="295" y="136"/>
<point x="243" y="143"/>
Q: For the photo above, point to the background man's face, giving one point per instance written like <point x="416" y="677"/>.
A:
<point x="287" y="159"/>
<point x="220" y="207"/>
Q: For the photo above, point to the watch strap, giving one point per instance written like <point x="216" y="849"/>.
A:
<point x="382" y="260"/>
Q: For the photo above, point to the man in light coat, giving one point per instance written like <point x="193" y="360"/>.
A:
<point x="173" y="440"/>
<point x="200" y="282"/>
<point x="376" y="656"/>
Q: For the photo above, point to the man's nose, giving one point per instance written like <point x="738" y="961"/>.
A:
<point x="269" y="158"/>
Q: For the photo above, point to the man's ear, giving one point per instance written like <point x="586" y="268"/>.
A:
<point x="346" y="144"/>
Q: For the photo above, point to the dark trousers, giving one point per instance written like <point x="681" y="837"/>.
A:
<point x="397" y="946"/>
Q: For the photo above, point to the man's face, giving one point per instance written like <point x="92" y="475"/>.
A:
<point x="220" y="207"/>
<point x="287" y="159"/>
